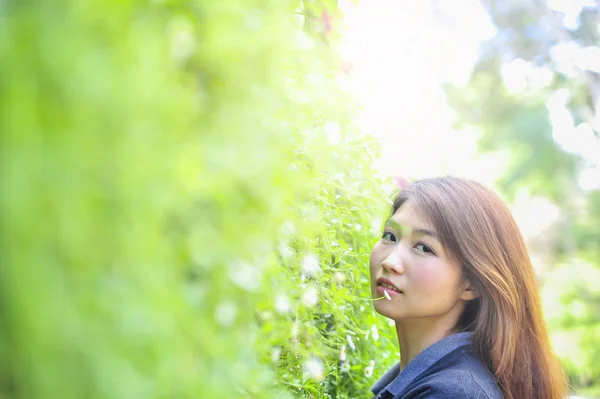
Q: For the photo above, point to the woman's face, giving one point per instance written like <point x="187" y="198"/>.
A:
<point x="409" y="262"/>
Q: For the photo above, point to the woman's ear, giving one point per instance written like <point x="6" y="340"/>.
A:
<point x="469" y="292"/>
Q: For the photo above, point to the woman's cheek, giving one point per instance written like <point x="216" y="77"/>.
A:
<point x="373" y="259"/>
<point x="427" y="277"/>
<point x="435" y="277"/>
<point x="378" y="254"/>
<point x="372" y="268"/>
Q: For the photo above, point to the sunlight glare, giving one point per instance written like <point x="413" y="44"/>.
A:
<point x="402" y="53"/>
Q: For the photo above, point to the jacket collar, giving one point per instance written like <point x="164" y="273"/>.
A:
<point x="395" y="381"/>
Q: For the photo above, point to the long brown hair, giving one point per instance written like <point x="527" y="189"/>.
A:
<point x="509" y="332"/>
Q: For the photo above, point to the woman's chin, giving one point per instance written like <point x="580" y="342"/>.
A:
<point x="383" y="309"/>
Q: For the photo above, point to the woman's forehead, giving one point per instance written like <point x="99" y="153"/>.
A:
<point x="410" y="217"/>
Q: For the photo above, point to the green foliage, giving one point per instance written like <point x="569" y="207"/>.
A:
<point x="188" y="207"/>
<point x="518" y="125"/>
<point x="587" y="233"/>
<point x="570" y="297"/>
<point x="165" y="173"/>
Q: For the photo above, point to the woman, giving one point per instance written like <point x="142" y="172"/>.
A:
<point x="459" y="284"/>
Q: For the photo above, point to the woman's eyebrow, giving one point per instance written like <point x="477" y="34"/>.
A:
<point x="399" y="227"/>
<point x="426" y="232"/>
<point x="392" y="223"/>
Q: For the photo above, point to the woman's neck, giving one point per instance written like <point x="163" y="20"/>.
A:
<point x="416" y="335"/>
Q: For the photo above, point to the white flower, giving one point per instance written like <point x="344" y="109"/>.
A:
<point x="245" y="275"/>
<point x="345" y="367"/>
<point x="285" y="251"/>
<point x="374" y="332"/>
<point x="282" y="304"/>
<point x="183" y="42"/>
<point x="369" y="369"/>
<point x="266" y="315"/>
<point x="350" y="342"/>
<point x="295" y="330"/>
<point x="310" y="265"/>
<point x="314" y="368"/>
<point x="225" y="313"/>
<point x="310" y="297"/>
<point x="276" y="354"/>
<point x="388" y="297"/>
<point x="332" y="132"/>
<point x="343" y="356"/>
<point x="339" y="278"/>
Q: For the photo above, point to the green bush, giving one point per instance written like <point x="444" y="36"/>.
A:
<point x="187" y="206"/>
<point x="570" y="298"/>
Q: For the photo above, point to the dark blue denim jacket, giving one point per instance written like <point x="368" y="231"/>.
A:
<point x="447" y="369"/>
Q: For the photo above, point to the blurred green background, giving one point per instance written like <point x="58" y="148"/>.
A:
<point x="189" y="191"/>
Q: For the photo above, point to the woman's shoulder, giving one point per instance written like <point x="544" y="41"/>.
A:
<point x="454" y="384"/>
<point x="447" y="369"/>
<point x="461" y="375"/>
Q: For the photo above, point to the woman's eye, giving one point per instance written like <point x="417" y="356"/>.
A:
<point x="424" y="248"/>
<point x="389" y="236"/>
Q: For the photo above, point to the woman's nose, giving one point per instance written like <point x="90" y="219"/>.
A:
<point x="393" y="262"/>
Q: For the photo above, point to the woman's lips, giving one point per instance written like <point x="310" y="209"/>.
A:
<point x="387" y="285"/>
<point x="381" y="290"/>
